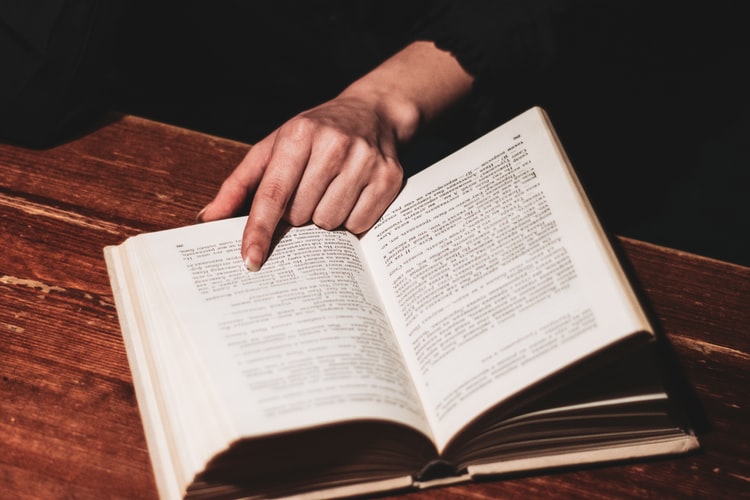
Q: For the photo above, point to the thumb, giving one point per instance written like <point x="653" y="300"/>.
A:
<point x="235" y="193"/>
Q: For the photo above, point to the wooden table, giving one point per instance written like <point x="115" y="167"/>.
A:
<point x="69" y="423"/>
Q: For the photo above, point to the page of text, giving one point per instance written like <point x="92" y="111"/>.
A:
<point x="492" y="273"/>
<point x="302" y="342"/>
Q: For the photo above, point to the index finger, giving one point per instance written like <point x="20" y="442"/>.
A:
<point x="286" y="163"/>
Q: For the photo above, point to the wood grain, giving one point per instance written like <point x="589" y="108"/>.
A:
<point x="69" y="422"/>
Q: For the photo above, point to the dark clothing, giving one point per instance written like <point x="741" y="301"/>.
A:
<point x="241" y="68"/>
<point x="52" y="55"/>
<point x="235" y="68"/>
<point x="590" y="53"/>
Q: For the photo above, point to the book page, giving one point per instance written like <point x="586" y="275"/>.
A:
<point x="303" y="342"/>
<point x="494" y="274"/>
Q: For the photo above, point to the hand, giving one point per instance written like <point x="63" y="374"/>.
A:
<point x="335" y="165"/>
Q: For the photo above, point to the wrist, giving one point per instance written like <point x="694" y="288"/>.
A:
<point x="397" y="112"/>
<point x="412" y="87"/>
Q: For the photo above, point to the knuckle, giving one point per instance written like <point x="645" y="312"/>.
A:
<point x="356" y="226"/>
<point x="272" y="193"/>
<point x="364" y="152"/>
<point x="325" y="220"/>
<point x="394" y="175"/>
<point x="389" y="178"/>
<point x="336" y="143"/>
<point x="338" y="138"/>
<point x="298" y="128"/>
<point x="296" y="217"/>
<point x="232" y="185"/>
<point x="258" y="231"/>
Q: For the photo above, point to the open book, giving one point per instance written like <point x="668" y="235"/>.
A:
<point x="483" y="326"/>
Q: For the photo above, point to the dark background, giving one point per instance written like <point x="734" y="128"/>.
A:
<point x="661" y="143"/>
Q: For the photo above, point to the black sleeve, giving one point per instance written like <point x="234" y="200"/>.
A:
<point x="519" y="50"/>
<point x="53" y="54"/>
<point x="491" y="37"/>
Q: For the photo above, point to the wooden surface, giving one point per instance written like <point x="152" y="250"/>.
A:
<point x="69" y="424"/>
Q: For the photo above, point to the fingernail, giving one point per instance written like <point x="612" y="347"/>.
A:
<point x="253" y="258"/>
<point x="199" y="217"/>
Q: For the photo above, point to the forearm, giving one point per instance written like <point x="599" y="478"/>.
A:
<point x="412" y="87"/>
